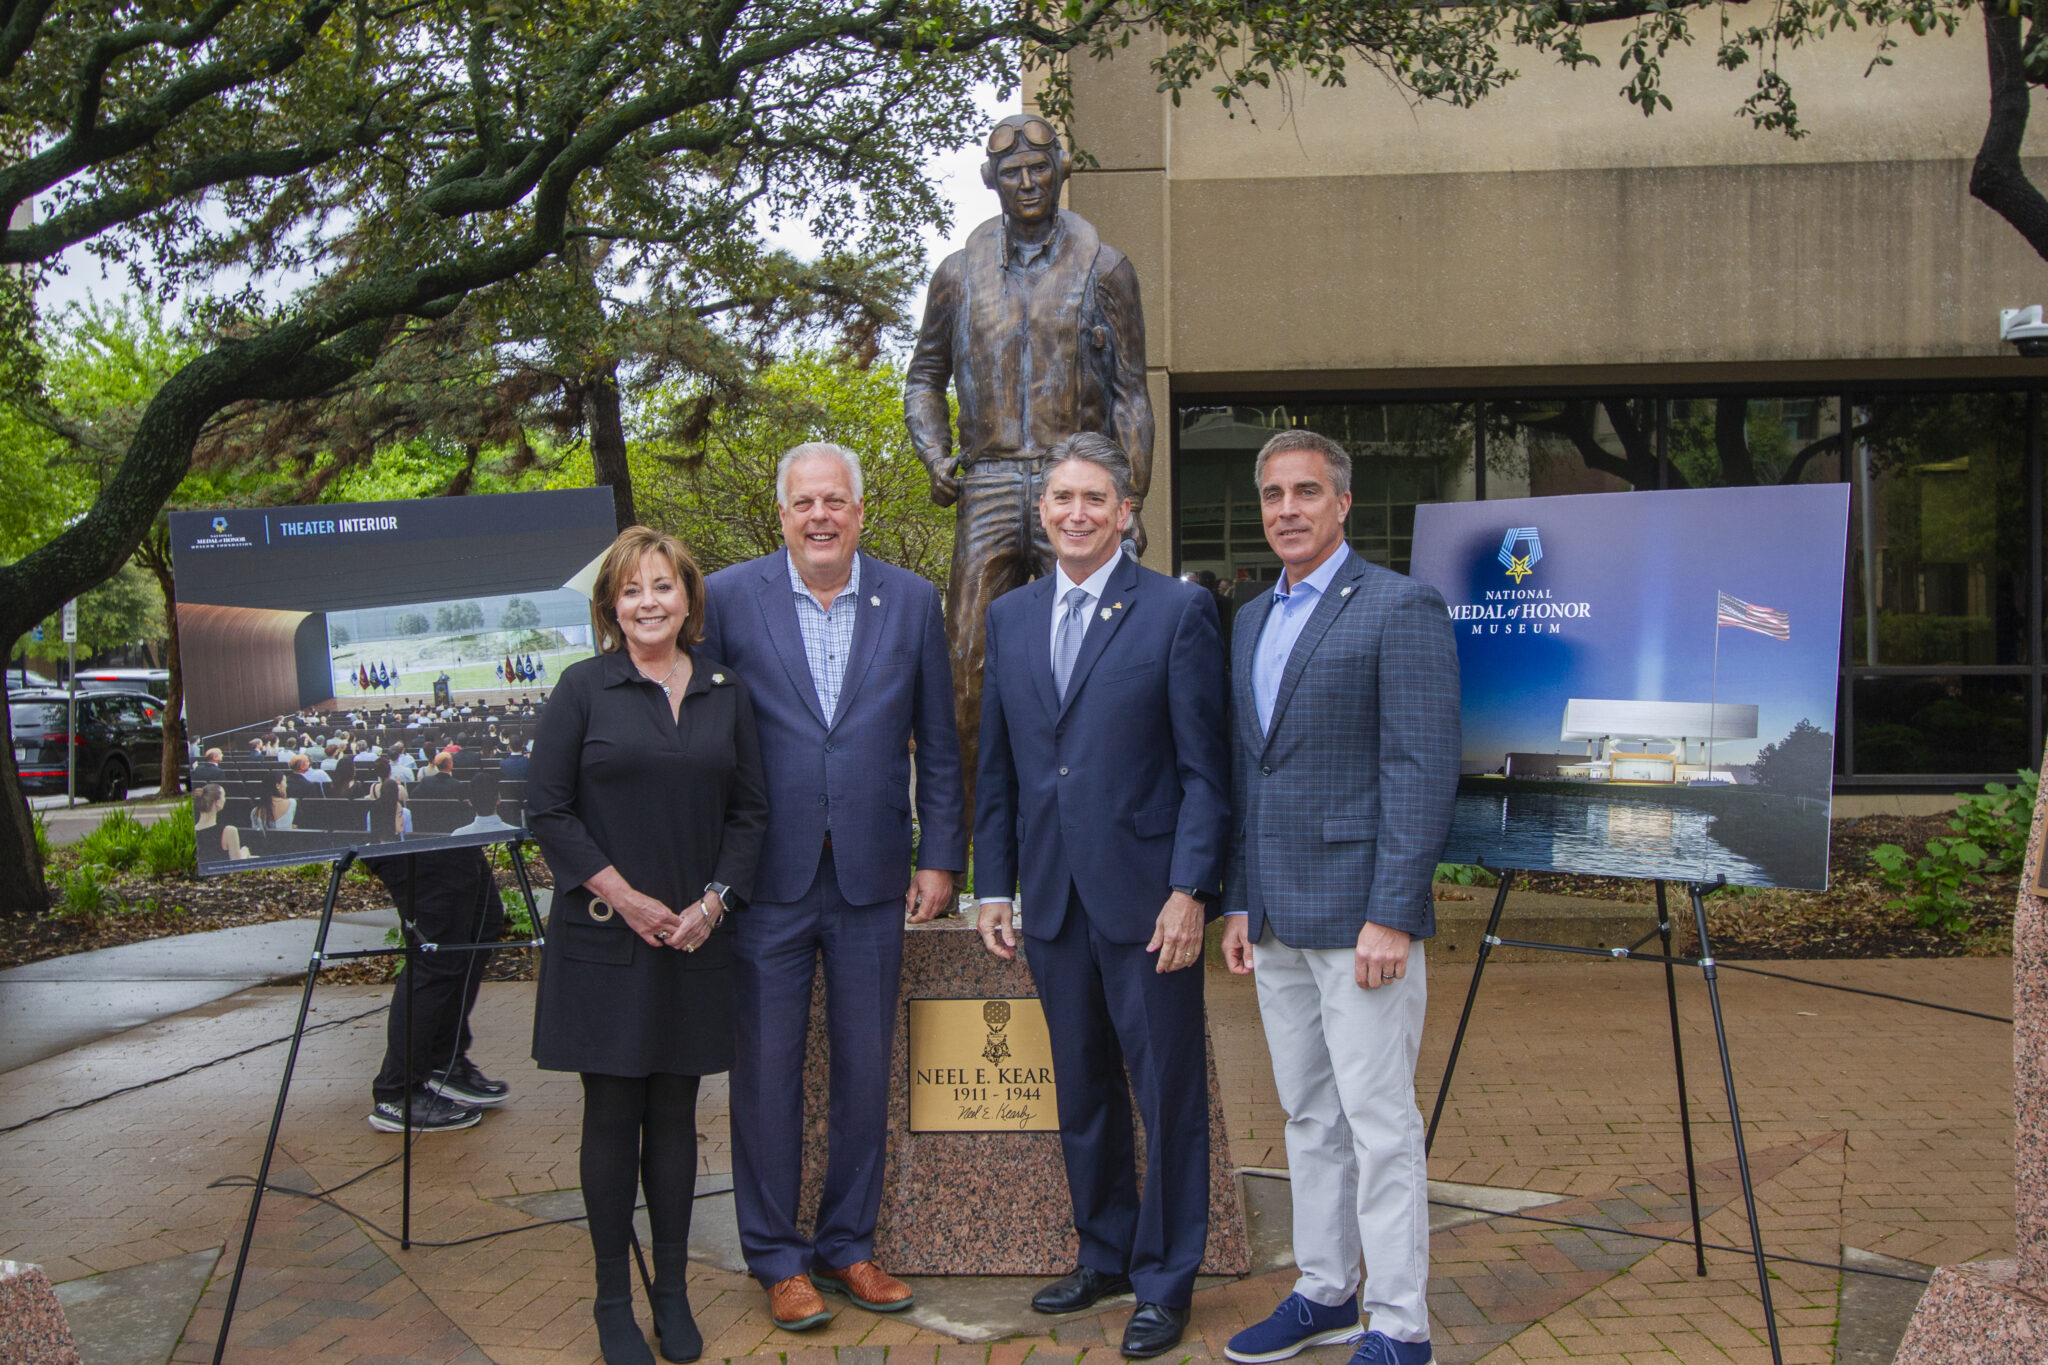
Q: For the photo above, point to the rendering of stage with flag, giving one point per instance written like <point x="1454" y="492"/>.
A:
<point x="1636" y="700"/>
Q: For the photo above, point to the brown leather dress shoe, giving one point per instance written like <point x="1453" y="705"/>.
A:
<point x="795" y="1305"/>
<point x="868" y="1285"/>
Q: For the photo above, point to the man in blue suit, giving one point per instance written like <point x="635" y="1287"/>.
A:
<point x="1343" y="764"/>
<point x="1103" y="771"/>
<point x="846" y="659"/>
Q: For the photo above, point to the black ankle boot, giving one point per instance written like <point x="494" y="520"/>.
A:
<point x="618" y="1335"/>
<point x="674" y="1328"/>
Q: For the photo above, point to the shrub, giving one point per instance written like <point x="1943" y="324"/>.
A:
<point x="1997" y="821"/>
<point x="1991" y="837"/>
<point x="170" y="847"/>
<point x="116" y="844"/>
<point x="1464" y="874"/>
<point x="1933" y="883"/>
<point x="85" y="893"/>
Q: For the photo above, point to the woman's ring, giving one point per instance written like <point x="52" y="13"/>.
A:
<point x="662" y="934"/>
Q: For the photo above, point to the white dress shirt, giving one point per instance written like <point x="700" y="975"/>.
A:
<point x="1094" y="586"/>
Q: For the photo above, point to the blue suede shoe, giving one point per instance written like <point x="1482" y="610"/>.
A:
<point x="1380" y="1349"/>
<point x="1295" y="1326"/>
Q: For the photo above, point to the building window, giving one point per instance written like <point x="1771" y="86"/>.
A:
<point x="1942" y="669"/>
<point x="1402" y="455"/>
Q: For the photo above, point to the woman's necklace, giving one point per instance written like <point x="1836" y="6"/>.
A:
<point x="662" y="681"/>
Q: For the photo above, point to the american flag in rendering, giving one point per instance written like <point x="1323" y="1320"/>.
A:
<point x="1763" y="620"/>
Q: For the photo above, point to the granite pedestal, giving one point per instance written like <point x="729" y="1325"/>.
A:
<point x="1996" y="1312"/>
<point x="987" y="1203"/>
<point x="32" y="1327"/>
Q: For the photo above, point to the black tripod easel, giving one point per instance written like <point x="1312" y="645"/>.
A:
<point x="1698" y="893"/>
<point x="410" y="950"/>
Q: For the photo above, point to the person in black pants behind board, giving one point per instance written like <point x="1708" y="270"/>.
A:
<point x="457" y="903"/>
<point x="647" y="795"/>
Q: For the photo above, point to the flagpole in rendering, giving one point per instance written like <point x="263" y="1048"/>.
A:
<point x="1733" y="611"/>
<point x="1714" y="690"/>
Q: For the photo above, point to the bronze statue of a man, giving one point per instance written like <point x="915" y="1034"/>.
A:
<point x="1036" y="323"/>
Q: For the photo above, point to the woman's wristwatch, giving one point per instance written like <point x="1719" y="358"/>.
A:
<point x="724" y="894"/>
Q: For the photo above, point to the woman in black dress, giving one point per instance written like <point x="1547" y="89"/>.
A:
<point x="216" y="841"/>
<point x="647" y="796"/>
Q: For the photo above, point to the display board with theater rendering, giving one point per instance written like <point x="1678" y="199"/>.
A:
<point x="369" y="676"/>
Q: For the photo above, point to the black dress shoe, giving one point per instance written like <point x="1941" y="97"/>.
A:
<point x="1153" y="1330"/>
<point x="1082" y="1289"/>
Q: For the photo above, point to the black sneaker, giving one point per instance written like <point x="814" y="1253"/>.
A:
<point x="464" y="1084"/>
<point x="430" y="1114"/>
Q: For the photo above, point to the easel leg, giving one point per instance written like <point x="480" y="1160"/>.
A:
<point x="1692" y="1183"/>
<point x="1500" y="901"/>
<point x="284" y="1086"/>
<point x="1756" y="1238"/>
<point x="410" y="931"/>
<point x="517" y="847"/>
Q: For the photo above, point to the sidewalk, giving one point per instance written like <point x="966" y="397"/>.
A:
<point x="61" y="1003"/>
<point x="1873" y="1127"/>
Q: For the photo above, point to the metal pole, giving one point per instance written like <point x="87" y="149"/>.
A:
<point x="1868" y="520"/>
<point x="1692" y="1184"/>
<point x="1486" y="942"/>
<point x="410" y="932"/>
<point x="1756" y="1236"/>
<point x="284" y="1086"/>
<point x="71" y="724"/>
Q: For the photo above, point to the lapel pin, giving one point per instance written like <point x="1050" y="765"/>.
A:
<point x="1105" y="613"/>
<point x="874" y="601"/>
<point x="718" y="677"/>
<point x="1346" y="592"/>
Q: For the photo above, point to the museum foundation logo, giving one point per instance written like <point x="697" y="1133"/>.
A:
<point x="219" y="537"/>
<point x="1520" y="566"/>
<point x="1523" y="609"/>
<point x="996" y="1014"/>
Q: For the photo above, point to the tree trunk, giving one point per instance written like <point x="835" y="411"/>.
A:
<point x="22" y="890"/>
<point x="1731" y="442"/>
<point x="608" y="441"/>
<point x="155" y="555"/>
<point x="1998" y="180"/>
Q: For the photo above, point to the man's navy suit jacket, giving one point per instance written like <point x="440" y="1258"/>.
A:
<point x="1340" y="809"/>
<point x="1120" y="792"/>
<point x="852" y="776"/>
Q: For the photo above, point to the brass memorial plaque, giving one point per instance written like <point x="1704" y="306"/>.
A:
<point x="979" y="1066"/>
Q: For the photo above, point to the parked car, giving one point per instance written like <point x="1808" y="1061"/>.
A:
<point x="119" y="743"/>
<point x="19" y="678"/>
<point x="155" y="681"/>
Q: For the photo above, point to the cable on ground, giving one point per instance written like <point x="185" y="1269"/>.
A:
<point x="176" y="1075"/>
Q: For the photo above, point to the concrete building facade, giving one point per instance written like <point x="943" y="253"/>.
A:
<point x="1551" y="293"/>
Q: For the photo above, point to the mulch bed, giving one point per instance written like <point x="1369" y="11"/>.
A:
<point x="1851" y="919"/>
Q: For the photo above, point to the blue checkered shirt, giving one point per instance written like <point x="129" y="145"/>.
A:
<point x="828" y="635"/>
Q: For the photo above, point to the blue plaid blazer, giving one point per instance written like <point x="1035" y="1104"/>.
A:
<point x="1339" y="813"/>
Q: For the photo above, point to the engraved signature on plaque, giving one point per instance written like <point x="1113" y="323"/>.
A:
<point x="980" y="1066"/>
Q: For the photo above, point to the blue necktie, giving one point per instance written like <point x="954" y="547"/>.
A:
<point x="1066" y="647"/>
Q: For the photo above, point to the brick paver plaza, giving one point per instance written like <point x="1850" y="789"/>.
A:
<point x="1871" y="1125"/>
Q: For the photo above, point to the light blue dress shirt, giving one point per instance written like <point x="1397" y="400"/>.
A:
<point x="827" y="635"/>
<point x="1282" y="628"/>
